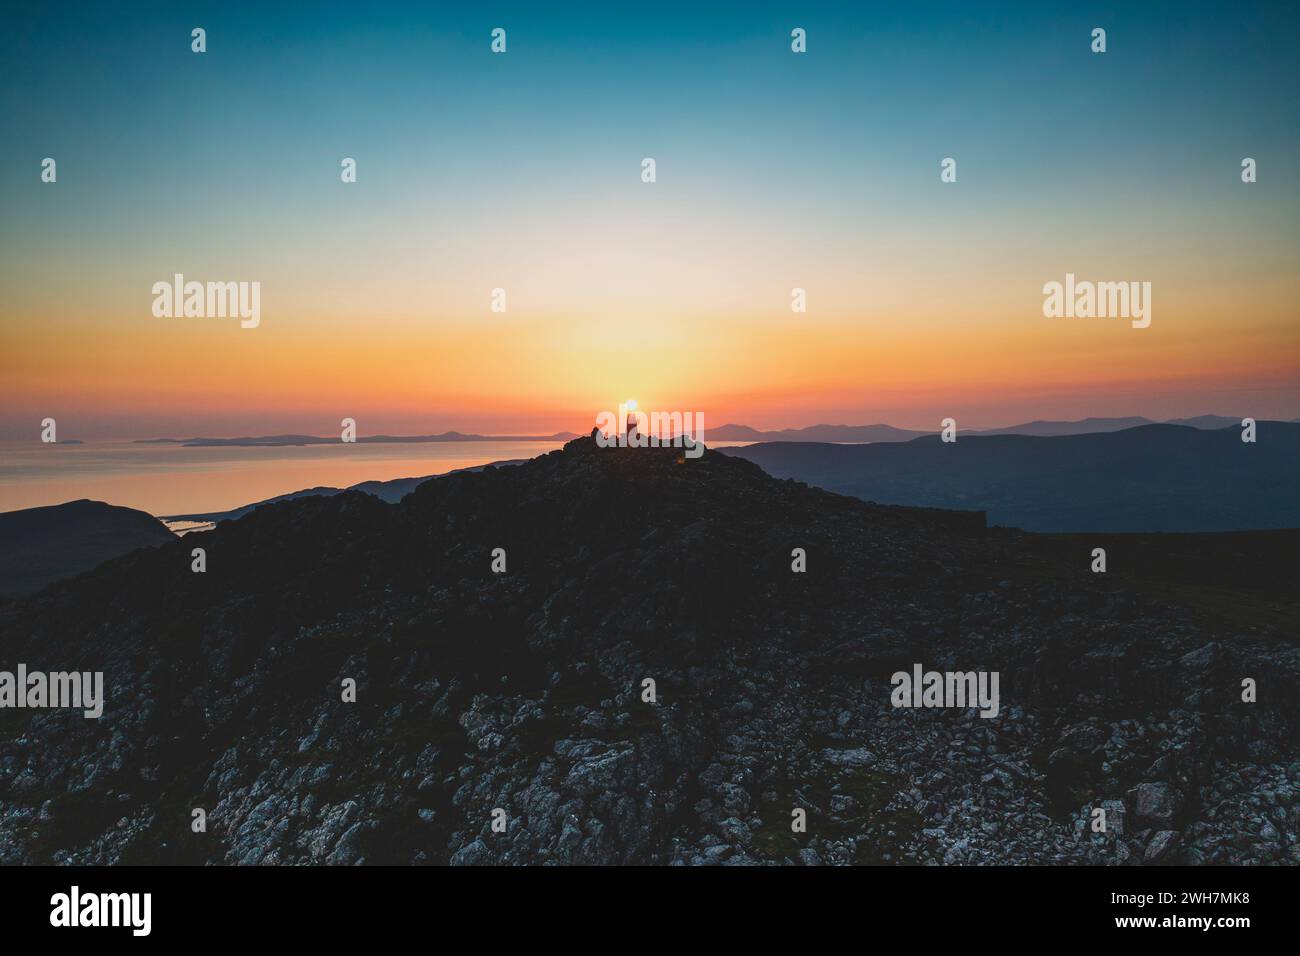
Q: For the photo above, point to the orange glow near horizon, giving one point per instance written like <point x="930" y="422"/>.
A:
<point x="778" y="370"/>
<point x="904" y="336"/>
<point x="774" y="173"/>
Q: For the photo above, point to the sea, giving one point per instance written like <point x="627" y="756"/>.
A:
<point x="171" y="479"/>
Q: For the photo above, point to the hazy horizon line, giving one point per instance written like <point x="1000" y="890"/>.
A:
<point x="544" y="435"/>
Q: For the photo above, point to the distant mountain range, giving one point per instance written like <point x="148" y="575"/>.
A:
<point x="732" y="432"/>
<point x="884" y="433"/>
<point x="1150" y="478"/>
<point x="41" y="545"/>
<point x="278" y="441"/>
<point x="816" y="433"/>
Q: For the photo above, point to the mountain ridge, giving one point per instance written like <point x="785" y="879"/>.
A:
<point x="1156" y="477"/>
<point x="524" y="691"/>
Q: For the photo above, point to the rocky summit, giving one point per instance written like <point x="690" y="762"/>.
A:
<point x="505" y="716"/>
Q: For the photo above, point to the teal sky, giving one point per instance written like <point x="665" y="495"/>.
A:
<point x="228" y="163"/>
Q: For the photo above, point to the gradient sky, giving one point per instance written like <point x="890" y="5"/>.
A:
<point x="522" y="171"/>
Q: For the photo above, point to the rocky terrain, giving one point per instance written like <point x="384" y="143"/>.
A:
<point x="522" y="691"/>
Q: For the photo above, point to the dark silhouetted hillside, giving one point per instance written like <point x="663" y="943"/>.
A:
<point x="524" y="691"/>
<point x="1151" y="478"/>
<point x="41" y="545"/>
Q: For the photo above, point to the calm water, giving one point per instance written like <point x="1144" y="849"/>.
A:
<point x="170" y="479"/>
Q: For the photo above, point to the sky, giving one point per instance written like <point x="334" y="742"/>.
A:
<point x="522" y="171"/>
